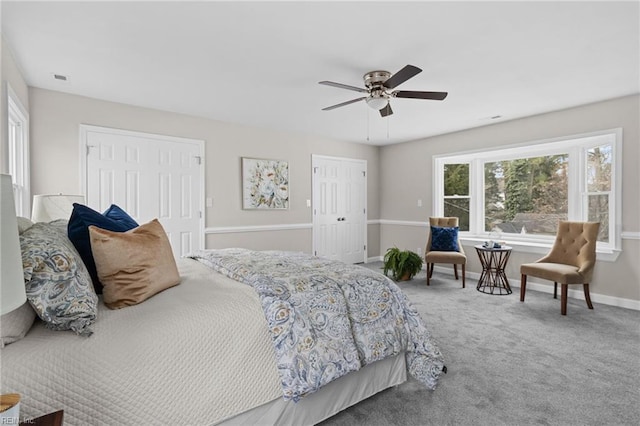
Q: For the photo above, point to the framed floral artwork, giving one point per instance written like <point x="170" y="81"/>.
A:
<point x="265" y="184"/>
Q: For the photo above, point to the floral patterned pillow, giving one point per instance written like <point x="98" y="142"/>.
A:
<point x="58" y="285"/>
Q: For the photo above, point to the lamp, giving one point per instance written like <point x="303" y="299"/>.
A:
<point x="377" y="103"/>
<point x="12" y="289"/>
<point x="51" y="207"/>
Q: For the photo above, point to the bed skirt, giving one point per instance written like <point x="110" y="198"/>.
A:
<point x="330" y="399"/>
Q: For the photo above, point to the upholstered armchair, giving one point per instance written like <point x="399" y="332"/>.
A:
<point x="570" y="261"/>
<point x="452" y="253"/>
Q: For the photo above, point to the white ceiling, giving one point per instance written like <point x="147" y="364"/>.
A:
<point x="259" y="63"/>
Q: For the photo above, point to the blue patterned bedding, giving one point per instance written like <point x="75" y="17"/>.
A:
<point x="328" y="318"/>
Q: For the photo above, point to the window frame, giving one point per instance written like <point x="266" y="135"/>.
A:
<point x="576" y="146"/>
<point x="18" y="152"/>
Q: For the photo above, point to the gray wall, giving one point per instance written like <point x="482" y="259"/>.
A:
<point x="55" y="159"/>
<point x="409" y="166"/>
<point x="399" y="174"/>
<point x="9" y="73"/>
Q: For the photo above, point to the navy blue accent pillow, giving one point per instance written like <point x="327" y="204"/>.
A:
<point x="444" y="238"/>
<point x="113" y="219"/>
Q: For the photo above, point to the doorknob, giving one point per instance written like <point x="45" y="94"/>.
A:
<point x="340" y="219"/>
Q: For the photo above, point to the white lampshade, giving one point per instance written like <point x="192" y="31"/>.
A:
<point x="377" y="103"/>
<point x="12" y="289"/>
<point x="51" y="207"/>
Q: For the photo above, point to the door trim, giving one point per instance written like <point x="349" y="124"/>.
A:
<point x="314" y="223"/>
<point x="83" y="143"/>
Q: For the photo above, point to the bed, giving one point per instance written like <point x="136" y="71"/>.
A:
<point x="198" y="353"/>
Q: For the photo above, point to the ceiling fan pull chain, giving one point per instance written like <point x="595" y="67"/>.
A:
<point x="367" y="112"/>
<point x="387" y="128"/>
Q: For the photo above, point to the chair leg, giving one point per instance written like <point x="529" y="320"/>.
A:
<point x="463" y="274"/>
<point x="430" y="269"/>
<point x="428" y="272"/>
<point x="555" y="290"/>
<point x="455" y="270"/>
<point x="586" y="295"/>
<point x="563" y="299"/>
<point x="523" y="286"/>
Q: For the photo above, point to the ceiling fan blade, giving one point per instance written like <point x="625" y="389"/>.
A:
<point x="401" y="76"/>
<point x="436" y="96"/>
<point x="386" y="111"/>
<point x="343" y="86"/>
<point x="343" y="104"/>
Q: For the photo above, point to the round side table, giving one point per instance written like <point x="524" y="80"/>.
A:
<point x="493" y="279"/>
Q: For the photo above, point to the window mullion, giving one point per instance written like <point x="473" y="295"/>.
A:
<point x="476" y="191"/>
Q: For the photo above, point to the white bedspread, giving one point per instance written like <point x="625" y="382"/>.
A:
<point x="194" y="354"/>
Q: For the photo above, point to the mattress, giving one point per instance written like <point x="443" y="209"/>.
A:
<point x="197" y="353"/>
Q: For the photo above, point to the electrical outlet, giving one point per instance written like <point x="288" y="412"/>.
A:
<point x="419" y="251"/>
<point x="419" y="203"/>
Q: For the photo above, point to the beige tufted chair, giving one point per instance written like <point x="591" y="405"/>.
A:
<point x="570" y="261"/>
<point x="454" y="257"/>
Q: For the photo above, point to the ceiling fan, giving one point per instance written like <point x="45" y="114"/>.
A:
<point x="378" y="86"/>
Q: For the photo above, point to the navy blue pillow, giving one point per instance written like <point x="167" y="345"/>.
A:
<point x="444" y="238"/>
<point x="113" y="219"/>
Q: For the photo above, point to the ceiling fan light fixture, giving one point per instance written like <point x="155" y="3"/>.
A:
<point x="377" y="103"/>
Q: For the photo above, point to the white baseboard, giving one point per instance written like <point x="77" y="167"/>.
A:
<point x="573" y="293"/>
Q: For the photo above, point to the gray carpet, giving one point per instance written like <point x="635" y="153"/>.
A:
<point x="513" y="363"/>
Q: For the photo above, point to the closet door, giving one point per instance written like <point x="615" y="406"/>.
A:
<point x="149" y="176"/>
<point x="339" y="208"/>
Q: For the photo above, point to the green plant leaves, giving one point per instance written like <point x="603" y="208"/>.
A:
<point x="401" y="263"/>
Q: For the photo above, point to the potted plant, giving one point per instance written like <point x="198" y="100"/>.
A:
<point x="404" y="264"/>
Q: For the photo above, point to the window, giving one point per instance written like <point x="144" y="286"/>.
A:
<point x="521" y="192"/>
<point x="456" y="193"/>
<point x="18" y="138"/>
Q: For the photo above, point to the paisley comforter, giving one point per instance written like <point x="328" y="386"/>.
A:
<point x="327" y="318"/>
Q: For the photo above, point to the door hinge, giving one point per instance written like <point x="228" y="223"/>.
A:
<point x="200" y="214"/>
<point x="364" y="174"/>
<point x="315" y="170"/>
<point x="198" y="160"/>
<point x="89" y="148"/>
<point x="365" y="246"/>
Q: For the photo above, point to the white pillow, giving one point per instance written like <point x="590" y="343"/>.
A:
<point x="15" y="325"/>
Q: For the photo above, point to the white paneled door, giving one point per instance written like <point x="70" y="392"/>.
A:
<point x="149" y="176"/>
<point x="339" y="208"/>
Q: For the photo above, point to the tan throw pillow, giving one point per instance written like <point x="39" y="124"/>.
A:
<point x="133" y="265"/>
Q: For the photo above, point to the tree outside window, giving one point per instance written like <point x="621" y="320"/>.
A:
<point x="599" y="187"/>
<point x="456" y="193"/>
<point x="526" y="195"/>
<point x="523" y="191"/>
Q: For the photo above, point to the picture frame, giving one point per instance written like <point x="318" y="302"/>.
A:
<point x="265" y="184"/>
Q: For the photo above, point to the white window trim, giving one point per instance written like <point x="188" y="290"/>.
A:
<point x="17" y="112"/>
<point x="575" y="146"/>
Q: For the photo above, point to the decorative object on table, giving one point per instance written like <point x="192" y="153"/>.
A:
<point x="9" y="409"/>
<point x="443" y="246"/>
<point x="491" y="244"/>
<point x="570" y="261"/>
<point x="47" y="208"/>
<point x="493" y="279"/>
<point x="265" y="184"/>
<point x="404" y="264"/>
